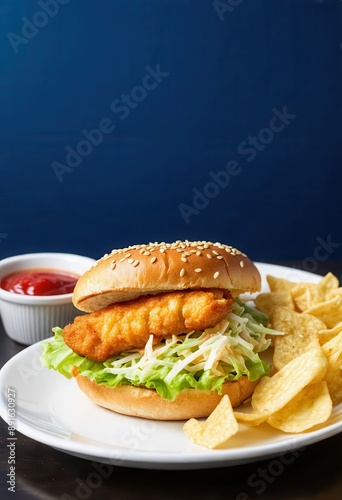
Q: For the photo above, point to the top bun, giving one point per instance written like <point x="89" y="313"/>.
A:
<point x="138" y="270"/>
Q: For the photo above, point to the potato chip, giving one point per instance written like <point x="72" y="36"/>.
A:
<point x="308" y="298"/>
<point x="333" y="349"/>
<point x="307" y="382"/>
<point x="306" y="295"/>
<point x="334" y="380"/>
<point x="253" y="418"/>
<point x="216" y="429"/>
<point x="333" y="352"/>
<point x="273" y="393"/>
<point x="329" y="282"/>
<point x="332" y="293"/>
<point x="266" y="302"/>
<point x="279" y="284"/>
<point x="329" y="311"/>
<point x="312" y="406"/>
<point x="301" y="288"/>
<point x="327" y="334"/>
<point x="301" y="334"/>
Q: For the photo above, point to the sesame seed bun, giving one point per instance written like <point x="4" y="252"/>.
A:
<point x="161" y="267"/>
<point x="147" y="403"/>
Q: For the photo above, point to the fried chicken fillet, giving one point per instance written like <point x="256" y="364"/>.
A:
<point x="127" y="325"/>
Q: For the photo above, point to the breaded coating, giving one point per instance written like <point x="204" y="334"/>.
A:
<point x="127" y="325"/>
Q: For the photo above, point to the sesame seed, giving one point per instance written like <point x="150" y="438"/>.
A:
<point x="153" y="260"/>
<point x="113" y="265"/>
<point x="186" y="249"/>
<point x="242" y="264"/>
<point x="182" y="272"/>
<point x="130" y="261"/>
<point x="184" y="259"/>
<point x="198" y="270"/>
<point x="136" y="263"/>
<point x="216" y="275"/>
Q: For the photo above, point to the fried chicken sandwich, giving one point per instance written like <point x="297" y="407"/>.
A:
<point x="166" y="334"/>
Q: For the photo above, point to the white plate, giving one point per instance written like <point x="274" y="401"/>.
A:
<point x="52" y="410"/>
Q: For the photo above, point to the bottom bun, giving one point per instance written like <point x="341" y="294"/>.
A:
<point x="147" y="403"/>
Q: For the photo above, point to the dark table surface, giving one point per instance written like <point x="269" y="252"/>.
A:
<point x="43" y="472"/>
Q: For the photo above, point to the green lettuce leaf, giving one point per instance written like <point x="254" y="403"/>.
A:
<point x="183" y="362"/>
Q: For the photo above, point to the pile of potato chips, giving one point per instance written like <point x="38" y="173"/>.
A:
<point x="306" y="380"/>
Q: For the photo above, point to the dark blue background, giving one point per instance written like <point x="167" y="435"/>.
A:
<point x="227" y="73"/>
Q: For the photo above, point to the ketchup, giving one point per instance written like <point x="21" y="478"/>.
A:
<point x="40" y="282"/>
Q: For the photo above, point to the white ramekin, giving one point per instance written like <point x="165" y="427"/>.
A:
<point x="28" y="319"/>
